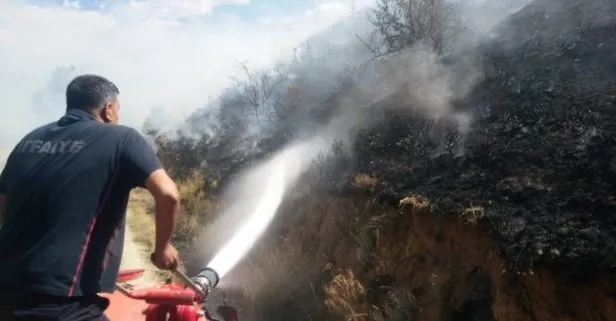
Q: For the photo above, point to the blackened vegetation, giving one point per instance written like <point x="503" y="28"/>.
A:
<point x="540" y="156"/>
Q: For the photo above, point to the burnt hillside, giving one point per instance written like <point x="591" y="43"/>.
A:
<point x="509" y="220"/>
<point x="541" y="158"/>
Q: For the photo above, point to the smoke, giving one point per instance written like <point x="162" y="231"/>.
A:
<point x="417" y="78"/>
<point x="170" y="58"/>
<point x="319" y="67"/>
<point x="172" y="55"/>
<point x="425" y="84"/>
<point x="162" y="53"/>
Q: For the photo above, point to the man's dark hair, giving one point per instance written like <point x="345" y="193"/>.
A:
<point x="88" y="92"/>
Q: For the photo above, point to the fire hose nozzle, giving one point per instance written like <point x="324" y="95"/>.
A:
<point x="206" y="280"/>
<point x="202" y="284"/>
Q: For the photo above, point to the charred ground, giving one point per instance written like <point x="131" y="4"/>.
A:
<point x="540" y="158"/>
<point x="510" y="219"/>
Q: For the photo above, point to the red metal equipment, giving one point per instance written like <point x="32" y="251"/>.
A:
<point x="162" y="302"/>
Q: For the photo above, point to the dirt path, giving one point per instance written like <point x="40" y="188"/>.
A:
<point x="134" y="258"/>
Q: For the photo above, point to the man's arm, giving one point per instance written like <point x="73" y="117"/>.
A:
<point x="145" y="170"/>
<point x="167" y="199"/>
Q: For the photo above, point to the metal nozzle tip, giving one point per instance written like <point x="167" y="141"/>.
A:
<point x="207" y="279"/>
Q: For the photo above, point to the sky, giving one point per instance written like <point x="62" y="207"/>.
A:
<point x="173" y="55"/>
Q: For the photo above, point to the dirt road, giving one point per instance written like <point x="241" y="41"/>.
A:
<point x="134" y="257"/>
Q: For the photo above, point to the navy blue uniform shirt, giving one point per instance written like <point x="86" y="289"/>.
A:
<point x="67" y="186"/>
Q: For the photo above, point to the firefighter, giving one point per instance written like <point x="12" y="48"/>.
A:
<point x="63" y="196"/>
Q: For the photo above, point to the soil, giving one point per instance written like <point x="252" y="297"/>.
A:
<point x="134" y="257"/>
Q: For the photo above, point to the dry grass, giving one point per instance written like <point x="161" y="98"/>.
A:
<point x="255" y="275"/>
<point x="346" y="297"/>
<point x="296" y="257"/>
<point x="473" y="214"/>
<point x="416" y="202"/>
<point x="365" y="181"/>
<point x="406" y="249"/>
<point x="195" y="206"/>
<point x="141" y="217"/>
<point x="141" y="211"/>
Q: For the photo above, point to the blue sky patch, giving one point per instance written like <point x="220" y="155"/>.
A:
<point x="253" y="11"/>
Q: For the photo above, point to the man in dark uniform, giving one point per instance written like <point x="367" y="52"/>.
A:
<point x="63" y="197"/>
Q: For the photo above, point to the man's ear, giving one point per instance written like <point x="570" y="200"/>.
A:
<point x="107" y="113"/>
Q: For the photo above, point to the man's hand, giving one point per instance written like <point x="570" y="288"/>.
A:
<point x="166" y="258"/>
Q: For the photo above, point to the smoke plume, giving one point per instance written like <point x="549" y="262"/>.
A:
<point x="161" y="54"/>
<point x="417" y="77"/>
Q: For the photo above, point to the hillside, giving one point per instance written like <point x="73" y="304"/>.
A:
<point x="507" y="220"/>
<point x="540" y="160"/>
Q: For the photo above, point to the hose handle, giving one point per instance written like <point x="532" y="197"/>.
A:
<point x="185" y="279"/>
<point x="190" y="283"/>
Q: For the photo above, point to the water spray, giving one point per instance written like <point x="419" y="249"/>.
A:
<point x="268" y="183"/>
<point x="241" y="242"/>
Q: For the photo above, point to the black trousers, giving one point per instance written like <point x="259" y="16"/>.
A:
<point x="38" y="307"/>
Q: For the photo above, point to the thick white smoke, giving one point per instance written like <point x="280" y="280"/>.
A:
<point x="173" y="55"/>
<point x="162" y="53"/>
